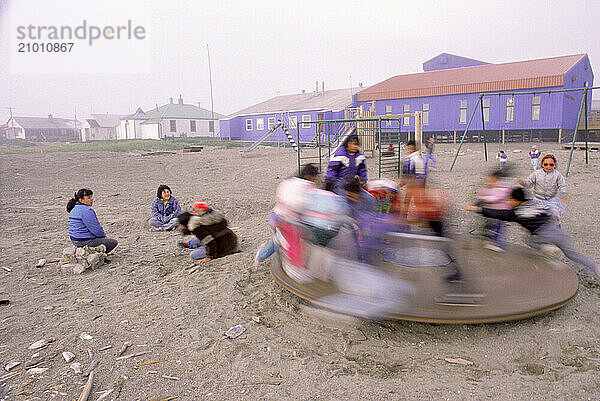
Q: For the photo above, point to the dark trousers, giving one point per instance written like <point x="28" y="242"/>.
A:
<point x="109" y="243"/>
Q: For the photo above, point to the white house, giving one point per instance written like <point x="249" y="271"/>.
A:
<point x="100" y="127"/>
<point x="43" y="128"/>
<point x="172" y="119"/>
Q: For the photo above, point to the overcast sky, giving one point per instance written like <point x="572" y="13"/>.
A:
<point x="260" y="49"/>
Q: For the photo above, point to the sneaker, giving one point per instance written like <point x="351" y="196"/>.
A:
<point x="256" y="255"/>
<point x="549" y="251"/>
<point x="182" y="244"/>
<point x="493" y="247"/>
<point x="454" y="277"/>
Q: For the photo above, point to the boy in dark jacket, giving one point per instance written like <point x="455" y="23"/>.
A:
<point x="213" y="238"/>
<point x="539" y="222"/>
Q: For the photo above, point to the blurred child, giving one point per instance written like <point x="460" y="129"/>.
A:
<point x="502" y="158"/>
<point x="543" y="228"/>
<point x="494" y="195"/>
<point x="534" y="154"/>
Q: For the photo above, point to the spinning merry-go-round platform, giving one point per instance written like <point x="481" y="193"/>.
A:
<point x="497" y="286"/>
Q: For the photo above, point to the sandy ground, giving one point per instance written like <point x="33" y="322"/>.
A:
<point x="289" y="351"/>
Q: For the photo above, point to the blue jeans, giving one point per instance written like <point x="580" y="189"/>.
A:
<point x="551" y="233"/>
<point x="495" y="232"/>
<point x="267" y="251"/>
<point x="169" y="225"/>
<point x="200" y="249"/>
<point x="429" y="156"/>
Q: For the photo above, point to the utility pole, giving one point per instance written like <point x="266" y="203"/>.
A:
<point x="212" y="107"/>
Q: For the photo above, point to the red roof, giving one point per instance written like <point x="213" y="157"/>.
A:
<point x="540" y="73"/>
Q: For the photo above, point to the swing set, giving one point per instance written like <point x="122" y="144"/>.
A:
<point x="583" y="108"/>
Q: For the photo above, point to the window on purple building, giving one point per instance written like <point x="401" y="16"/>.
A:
<point x="306" y="117"/>
<point x="486" y="109"/>
<point x="406" y="110"/>
<point x="293" y="122"/>
<point x="510" y="109"/>
<point x="249" y="124"/>
<point x="320" y="117"/>
<point x="425" y="113"/>
<point x="271" y="123"/>
<point x="462" y="115"/>
<point x="388" y="112"/>
<point x="260" y="124"/>
<point x="536" y="106"/>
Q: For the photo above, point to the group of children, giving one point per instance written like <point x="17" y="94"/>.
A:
<point x="359" y="205"/>
<point x="212" y="237"/>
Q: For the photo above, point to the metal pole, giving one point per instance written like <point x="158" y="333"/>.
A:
<point x="319" y="146"/>
<point x="399" y="149"/>
<point x="297" y="144"/>
<point x="483" y="127"/>
<point x="586" y="125"/>
<point x="379" y="144"/>
<point x="212" y="107"/>
<point x="464" y="135"/>
<point x="574" y="136"/>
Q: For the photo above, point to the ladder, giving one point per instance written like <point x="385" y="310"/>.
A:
<point x="288" y="129"/>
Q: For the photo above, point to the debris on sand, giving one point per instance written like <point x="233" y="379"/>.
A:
<point x="41" y="343"/>
<point x="11" y="365"/>
<point x="68" y="356"/>
<point x="459" y="361"/>
<point x="235" y="331"/>
<point x="40" y="263"/>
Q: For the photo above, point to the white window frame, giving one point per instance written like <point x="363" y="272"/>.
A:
<point x="536" y="107"/>
<point x="388" y="112"/>
<point x="486" y="104"/>
<point x="425" y="114"/>
<point x="509" y="116"/>
<point x="193" y="125"/>
<point x="293" y="122"/>
<point x="306" y="117"/>
<point x="270" y="123"/>
<point x="405" y="110"/>
<point x="249" y="124"/>
<point x="462" y="111"/>
<point x="260" y="124"/>
<point x="171" y="123"/>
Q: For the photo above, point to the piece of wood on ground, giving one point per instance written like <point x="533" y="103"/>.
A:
<point x="105" y="394"/>
<point x="88" y="388"/>
<point x="149" y="363"/>
<point x="132" y="355"/>
<point x="459" y="361"/>
<point x="124" y="348"/>
<point x="270" y="383"/>
<point x="164" y="398"/>
<point x="171" y="377"/>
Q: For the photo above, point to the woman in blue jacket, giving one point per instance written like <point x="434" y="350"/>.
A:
<point x="84" y="227"/>
<point x="165" y="210"/>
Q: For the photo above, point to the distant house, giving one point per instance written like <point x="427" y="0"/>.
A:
<point x="255" y="121"/>
<point x="447" y="91"/>
<point x="43" y="129"/>
<point x="172" y="119"/>
<point x="100" y="127"/>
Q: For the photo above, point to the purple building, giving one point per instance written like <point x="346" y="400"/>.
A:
<point x="448" y="90"/>
<point x="254" y="122"/>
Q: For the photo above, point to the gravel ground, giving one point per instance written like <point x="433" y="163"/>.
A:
<point x="290" y="351"/>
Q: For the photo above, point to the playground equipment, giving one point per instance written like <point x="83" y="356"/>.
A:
<point x="404" y="279"/>
<point x="291" y="124"/>
<point x="583" y="107"/>
<point x="374" y="136"/>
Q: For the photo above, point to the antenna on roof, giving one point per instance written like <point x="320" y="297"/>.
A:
<point x="212" y="106"/>
<point x="10" y="109"/>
